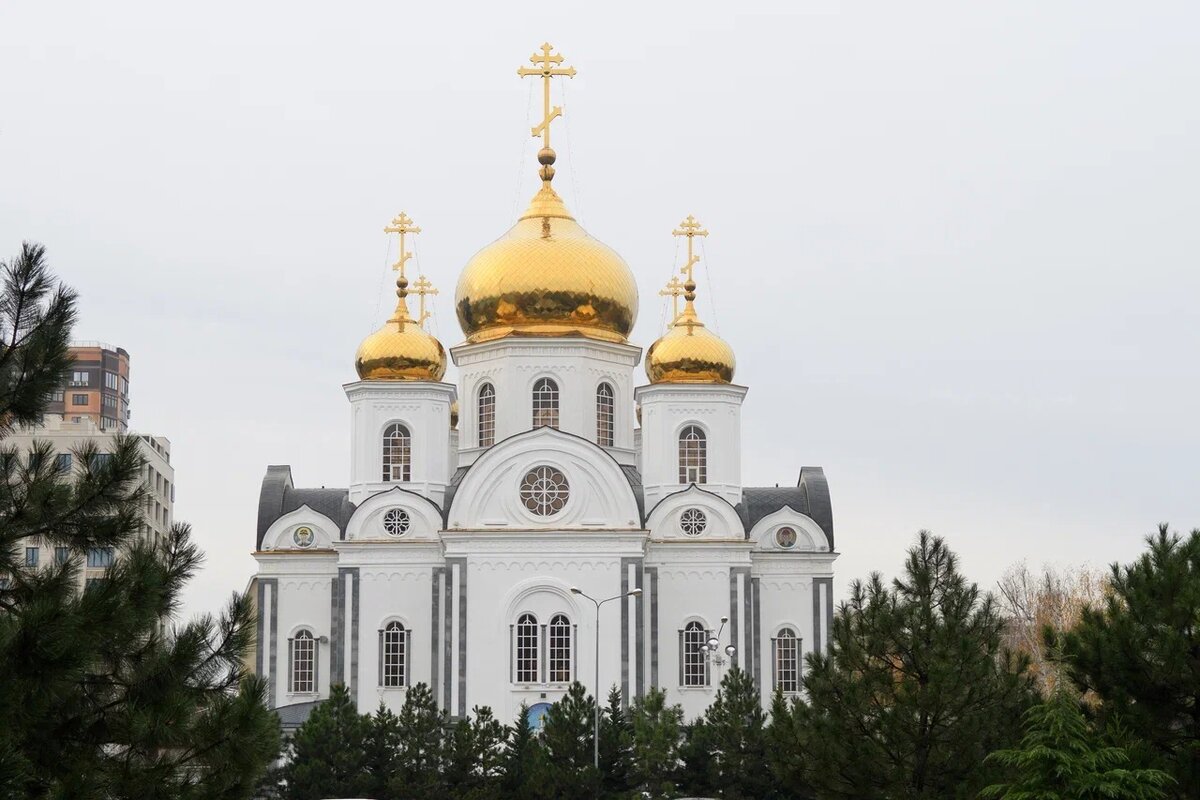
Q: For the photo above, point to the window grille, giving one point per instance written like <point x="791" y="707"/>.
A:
<point x="787" y="661"/>
<point x="694" y="666"/>
<point x="545" y="403"/>
<point x="32" y="556"/>
<point x="560" y="649"/>
<point x="100" y="557"/>
<point x="487" y="415"/>
<point x="397" y="453"/>
<point x="527" y="649"/>
<point x="693" y="455"/>
<point x="604" y="415"/>
<point x="304" y="663"/>
<point x="393" y="640"/>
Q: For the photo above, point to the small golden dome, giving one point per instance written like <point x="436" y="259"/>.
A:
<point x="454" y="414"/>
<point x="401" y="350"/>
<point x="690" y="353"/>
<point x="546" y="277"/>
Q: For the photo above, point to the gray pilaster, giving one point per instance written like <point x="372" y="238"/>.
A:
<point x="461" y="586"/>
<point x="816" y="609"/>
<point x="822" y="586"/>
<point x="354" y="574"/>
<point x="624" y="632"/>
<point x="447" y="631"/>
<point x="653" y="573"/>
<point x="337" y="645"/>
<point x="435" y="640"/>
<point x="757" y="632"/>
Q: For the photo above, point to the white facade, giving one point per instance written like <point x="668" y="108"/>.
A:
<point x="450" y="578"/>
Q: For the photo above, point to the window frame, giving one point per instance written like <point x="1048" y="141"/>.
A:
<point x="786" y="645"/>
<point x="694" y="668"/>
<point x="395" y="649"/>
<point x="33" y="556"/>
<point x="306" y="639"/>
<point x="485" y="414"/>
<point x="396" y="446"/>
<point x="544" y="404"/>
<point x="693" y="458"/>
<point x="560" y="635"/>
<point x="606" y="414"/>
<point x="527" y="663"/>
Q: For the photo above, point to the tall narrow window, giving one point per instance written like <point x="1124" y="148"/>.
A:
<point x="303" y="676"/>
<point x="487" y="415"/>
<point x="693" y="455"/>
<point x="397" y="453"/>
<point x="787" y="661"/>
<point x="393" y="659"/>
<point x="527" y="649"/>
<point x="560" y="649"/>
<point x="693" y="666"/>
<point x="604" y="415"/>
<point x="545" y="403"/>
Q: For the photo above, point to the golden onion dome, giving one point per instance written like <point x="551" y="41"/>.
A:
<point x="401" y="350"/>
<point x="454" y="415"/>
<point x="546" y="277"/>
<point x="690" y="353"/>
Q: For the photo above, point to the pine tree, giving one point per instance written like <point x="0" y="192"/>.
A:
<point x="786" y="738"/>
<point x="328" y="755"/>
<point x="382" y="745"/>
<point x="567" y="770"/>
<point x="474" y="750"/>
<point x="1062" y="757"/>
<point x="419" y="758"/>
<point x="616" y="744"/>
<point x="521" y="759"/>
<point x="695" y="754"/>
<point x="734" y="725"/>
<point x="101" y="697"/>
<point x="657" y="733"/>
<point x="1138" y="653"/>
<point x="914" y="690"/>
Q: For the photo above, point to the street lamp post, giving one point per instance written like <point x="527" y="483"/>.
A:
<point x="598" y="603"/>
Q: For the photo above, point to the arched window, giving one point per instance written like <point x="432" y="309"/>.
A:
<point x="393" y="655"/>
<point x="486" y="415"/>
<point x="786" y="661"/>
<point x="560" y="649"/>
<point x="693" y="666"/>
<point x="302" y="667"/>
<point x="545" y="403"/>
<point x="693" y="455"/>
<point x="604" y="415"/>
<point x="397" y="453"/>
<point x="527" y="649"/>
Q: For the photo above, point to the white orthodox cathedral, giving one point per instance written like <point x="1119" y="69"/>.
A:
<point x="483" y="519"/>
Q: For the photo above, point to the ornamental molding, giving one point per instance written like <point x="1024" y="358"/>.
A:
<point x="376" y="576"/>
<point x="491" y="544"/>
<point x="552" y="566"/>
<point x="507" y="348"/>
<point x="406" y="390"/>
<point x="798" y="585"/>
<point x="695" y="574"/>
<point x="305" y="585"/>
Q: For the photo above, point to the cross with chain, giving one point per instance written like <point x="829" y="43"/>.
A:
<point x="402" y="225"/>
<point x="421" y="288"/>
<point x="546" y="68"/>
<point x="673" y="290"/>
<point x="691" y="229"/>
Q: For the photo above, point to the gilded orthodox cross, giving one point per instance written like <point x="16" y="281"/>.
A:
<point x="421" y="288"/>
<point x="691" y="229"/>
<point x="546" y="68"/>
<point x="402" y="225"/>
<point x="673" y="290"/>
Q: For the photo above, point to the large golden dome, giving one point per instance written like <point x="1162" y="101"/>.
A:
<point x="401" y="350"/>
<point x="546" y="277"/>
<point x="690" y="353"/>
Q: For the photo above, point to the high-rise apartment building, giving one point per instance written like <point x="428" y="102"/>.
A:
<point x="96" y="387"/>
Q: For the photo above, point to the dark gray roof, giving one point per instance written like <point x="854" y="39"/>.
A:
<point x="810" y="497"/>
<point x="639" y="494"/>
<point x="293" y="716"/>
<point x="279" y="497"/>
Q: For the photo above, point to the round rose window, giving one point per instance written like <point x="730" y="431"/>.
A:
<point x="693" y="522"/>
<point x="544" y="491"/>
<point x="785" y="537"/>
<point x="396" y="522"/>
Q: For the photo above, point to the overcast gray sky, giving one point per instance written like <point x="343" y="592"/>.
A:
<point x="954" y="245"/>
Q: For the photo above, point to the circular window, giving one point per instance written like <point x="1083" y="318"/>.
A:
<point x="396" y="521"/>
<point x="303" y="537"/>
<point x="544" y="491"/>
<point x="693" y="522"/>
<point x="785" y="537"/>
